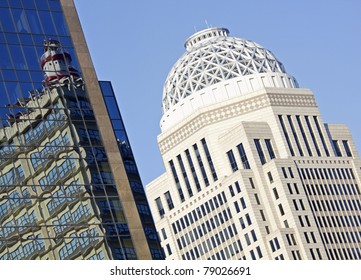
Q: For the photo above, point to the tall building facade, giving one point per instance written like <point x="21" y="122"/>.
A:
<point x="252" y="171"/>
<point x="69" y="185"/>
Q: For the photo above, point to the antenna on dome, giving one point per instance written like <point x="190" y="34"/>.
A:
<point x="195" y="29"/>
<point x="206" y="23"/>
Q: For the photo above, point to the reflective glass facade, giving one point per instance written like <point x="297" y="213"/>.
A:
<point x="58" y="196"/>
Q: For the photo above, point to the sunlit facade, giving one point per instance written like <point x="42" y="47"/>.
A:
<point x="60" y="197"/>
<point x="251" y="170"/>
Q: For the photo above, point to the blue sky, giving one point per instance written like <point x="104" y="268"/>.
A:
<point x="134" y="44"/>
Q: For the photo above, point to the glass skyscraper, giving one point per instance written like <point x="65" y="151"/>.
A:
<point x="69" y="185"/>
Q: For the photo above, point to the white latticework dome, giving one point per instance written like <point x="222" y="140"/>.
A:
<point x="212" y="57"/>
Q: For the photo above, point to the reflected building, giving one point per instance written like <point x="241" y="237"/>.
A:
<point x="60" y="197"/>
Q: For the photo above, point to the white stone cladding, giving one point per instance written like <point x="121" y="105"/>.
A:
<point x="296" y="195"/>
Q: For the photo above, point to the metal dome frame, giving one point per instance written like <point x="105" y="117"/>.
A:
<point x="212" y="57"/>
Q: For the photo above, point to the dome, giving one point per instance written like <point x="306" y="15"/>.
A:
<point x="212" y="56"/>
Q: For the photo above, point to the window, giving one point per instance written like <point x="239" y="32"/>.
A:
<point x="232" y="160"/>
<point x="164" y="234"/>
<point x="347" y="148"/>
<point x="209" y="159"/>
<point x="286" y="135"/>
<point x="168" y="249"/>
<point x="270" y="148"/>
<point x="254" y="237"/>
<point x="194" y="174"/>
<point x="270" y="178"/>
<point x="260" y="151"/>
<point x="295" y="135"/>
<point x="243" y="203"/>
<point x="169" y="200"/>
<point x="248" y="219"/>
<point x="312" y="135"/>
<point x="321" y="135"/>
<point x="275" y="193"/>
<point x="201" y="166"/>
<point x="160" y="207"/>
<point x="176" y="179"/>
<point x="336" y="148"/>
<point x="259" y="252"/>
<point x="236" y="206"/>
<point x="304" y="135"/>
<point x="185" y="176"/>
<point x="231" y="190"/>
<point x="281" y="209"/>
<point x="242" y="154"/>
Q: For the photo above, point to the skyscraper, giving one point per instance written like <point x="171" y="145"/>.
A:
<point x="252" y="171"/>
<point x="69" y="185"/>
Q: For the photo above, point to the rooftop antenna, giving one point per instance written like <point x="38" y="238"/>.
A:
<point x="206" y="23"/>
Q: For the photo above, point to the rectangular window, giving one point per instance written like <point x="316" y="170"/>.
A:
<point x="286" y="135"/>
<point x="347" y="148"/>
<point x="164" y="234"/>
<point x="209" y="159"/>
<point x="295" y="135"/>
<point x="185" y="176"/>
<point x="169" y="250"/>
<point x="243" y="202"/>
<point x="201" y="166"/>
<point x="232" y="160"/>
<point x="336" y="148"/>
<point x="269" y="148"/>
<point x="159" y="204"/>
<point x="260" y="151"/>
<point x="169" y="200"/>
<point x="176" y="179"/>
<point x="236" y="206"/>
<point x="275" y="193"/>
<point x="270" y="178"/>
<point x="194" y="174"/>
<point x="312" y="135"/>
<point x="281" y="209"/>
<point x="321" y="135"/>
<point x="304" y="135"/>
<point x="231" y="190"/>
<point x="242" y="154"/>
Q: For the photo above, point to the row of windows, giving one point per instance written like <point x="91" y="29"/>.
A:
<point x="209" y="227"/>
<point x="18" y="225"/>
<point x="260" y="150"/>
<point x="340" y="205"/>
<point x="318" y="254"/>
<point x="301" y="127"/>
<point x="226" y="253"/>
<point x="337" y="221"/>
<point x="332" y="189"/>
<point x="14" y="201"/>
<point x="51" y="148"/>
<point x="159" y="203"/>
<point x="31" y="4"/>
<point x="26" y="251"/>
<point x="12" y="177"/>
<point x="184" y="173"/>
<point x="337" y="149"/>
<point x="344" y="254"/>
<point x="341" y="238"/>
<point x="327" y="173"/>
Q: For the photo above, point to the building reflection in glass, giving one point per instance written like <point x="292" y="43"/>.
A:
<point x="57" y="195"/>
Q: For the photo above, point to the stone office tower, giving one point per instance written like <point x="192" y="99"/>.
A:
<point x="69" y="186"/>
<point x="252" y="171"/>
